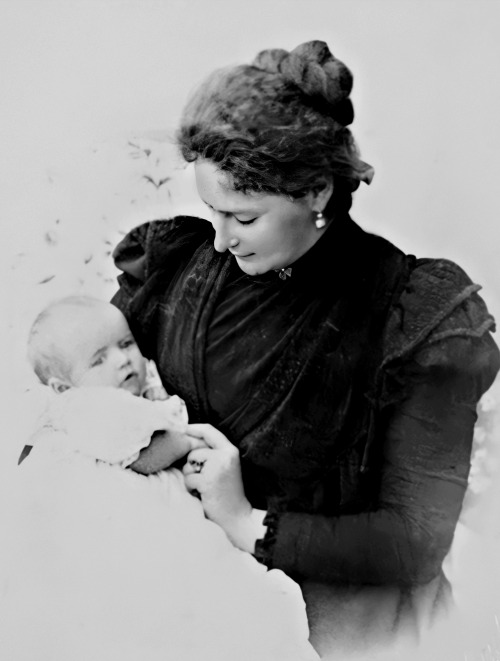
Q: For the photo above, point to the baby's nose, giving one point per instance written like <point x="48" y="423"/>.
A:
<point x="121" y="357"/>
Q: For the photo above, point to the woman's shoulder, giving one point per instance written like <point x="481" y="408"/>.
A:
<point x="152" y="243"/>
<point x="439" y="304"/>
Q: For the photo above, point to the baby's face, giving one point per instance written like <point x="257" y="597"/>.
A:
<point x="103" y="352"/>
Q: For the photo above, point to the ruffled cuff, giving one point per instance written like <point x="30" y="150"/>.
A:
<point x="126" y="463"/>
<point x="264" y="547"/>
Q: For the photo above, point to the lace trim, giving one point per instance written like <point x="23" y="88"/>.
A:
<point x="264" y="547"/>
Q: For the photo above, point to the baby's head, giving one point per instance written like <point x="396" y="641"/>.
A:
<point x="80" y="341"/>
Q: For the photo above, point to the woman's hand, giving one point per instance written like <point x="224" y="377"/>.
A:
<point x="215" y="473"/>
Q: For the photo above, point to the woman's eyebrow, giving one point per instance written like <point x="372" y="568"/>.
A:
<point x="233" y="212"/>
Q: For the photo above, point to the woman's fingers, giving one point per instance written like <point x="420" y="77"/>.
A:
<point x="196" y="442"/>
<point x="192" y="468"/>
<point x="194" y="482"/>
<point x="196" y="459"/>
<point x="200" y="454"/>
<point x="212" y="437"/>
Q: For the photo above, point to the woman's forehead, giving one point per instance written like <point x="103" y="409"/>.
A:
<point x="215" y="189"/>
<point x="216" y="186"/>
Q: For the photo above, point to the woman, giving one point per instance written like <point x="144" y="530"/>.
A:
<point x="344" y="373"/>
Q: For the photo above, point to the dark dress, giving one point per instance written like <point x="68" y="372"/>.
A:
<point x="350" y="389"/>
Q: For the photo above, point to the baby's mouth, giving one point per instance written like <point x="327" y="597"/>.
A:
<point x="129" y="377"/>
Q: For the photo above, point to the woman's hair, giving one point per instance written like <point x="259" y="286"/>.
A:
<point x="278" y="125"/>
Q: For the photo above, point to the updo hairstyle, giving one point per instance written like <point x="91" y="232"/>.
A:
<point x="278" y="125"/>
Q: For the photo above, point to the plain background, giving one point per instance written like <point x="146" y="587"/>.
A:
<point x="426" y="94"/>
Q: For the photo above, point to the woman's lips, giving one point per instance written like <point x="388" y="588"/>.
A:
<point x="251" y="254"/>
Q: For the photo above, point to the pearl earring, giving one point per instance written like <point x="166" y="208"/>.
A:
<point x="320" y="221"/>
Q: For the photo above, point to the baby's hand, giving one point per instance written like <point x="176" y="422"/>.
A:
<point x="155" y="393"/>
<point x="153" y="388"/>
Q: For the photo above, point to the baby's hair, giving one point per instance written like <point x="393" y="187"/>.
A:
<point x="45" y="351"/>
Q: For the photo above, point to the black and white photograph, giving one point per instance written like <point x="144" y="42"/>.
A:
<point x="251" y="281"/>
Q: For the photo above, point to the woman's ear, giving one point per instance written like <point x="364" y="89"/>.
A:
<point x="321" y="193"/>
<point x="57" y="384"/>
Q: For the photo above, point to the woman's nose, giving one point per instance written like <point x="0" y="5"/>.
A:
<point x="222" y="239"/>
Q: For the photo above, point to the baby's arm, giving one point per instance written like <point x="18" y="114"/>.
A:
<point x="166" y="448"/>
<point x="115" y="426"/>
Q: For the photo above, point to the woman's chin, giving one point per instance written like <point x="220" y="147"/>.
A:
<point x="251" y="268"/>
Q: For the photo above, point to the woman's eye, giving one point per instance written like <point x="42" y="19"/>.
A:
<point x="246" y="222"/>
<point x="127" y="343"/>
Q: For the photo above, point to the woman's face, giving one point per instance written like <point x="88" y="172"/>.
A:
<point x="263" y="231"/>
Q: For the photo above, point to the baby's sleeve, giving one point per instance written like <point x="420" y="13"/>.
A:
<point x="113" y="425"/>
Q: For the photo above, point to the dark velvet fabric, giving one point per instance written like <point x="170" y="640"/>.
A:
<point x="350" y="389"/>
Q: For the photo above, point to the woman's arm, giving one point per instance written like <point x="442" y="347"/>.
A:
<point x="425" y="448"/>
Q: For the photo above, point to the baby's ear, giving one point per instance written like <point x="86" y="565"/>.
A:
<point x="57" y="384"/>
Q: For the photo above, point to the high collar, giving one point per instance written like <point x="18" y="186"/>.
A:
<point x="329" y="262"/>
<point x="332" y="252"/>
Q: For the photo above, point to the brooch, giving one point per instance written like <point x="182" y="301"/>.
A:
<point x="285" y="273"/>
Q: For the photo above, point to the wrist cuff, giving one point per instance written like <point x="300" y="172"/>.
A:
<point x="264" y="547"/>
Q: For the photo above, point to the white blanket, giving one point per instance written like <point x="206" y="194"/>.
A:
<point x="105" y="564"/>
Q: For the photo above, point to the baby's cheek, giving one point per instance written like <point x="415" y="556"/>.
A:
<point x="142" y="363"/>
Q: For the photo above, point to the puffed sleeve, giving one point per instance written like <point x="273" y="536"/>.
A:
<point x="158" y="245"/>
<point x="424" y="441"/>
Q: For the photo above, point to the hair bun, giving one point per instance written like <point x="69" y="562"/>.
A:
<point x="270" y="60"/>
<point x="317" y="73"/>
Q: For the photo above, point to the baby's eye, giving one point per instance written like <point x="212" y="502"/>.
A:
<point x="127" y="343"/>
<point x="97" y="361"/>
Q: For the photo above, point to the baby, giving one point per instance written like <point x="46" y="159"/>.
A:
<point x="105" y="562"/>
<point x="82" y="342"/>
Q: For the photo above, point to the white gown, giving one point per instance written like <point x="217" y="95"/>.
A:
<point x="103" y="564"/>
